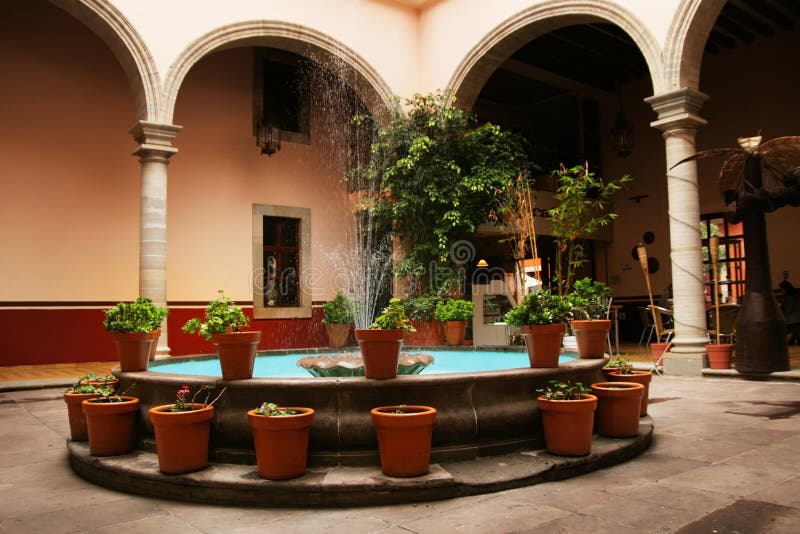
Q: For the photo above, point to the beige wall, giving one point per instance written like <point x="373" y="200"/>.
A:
<point x="70" y="188"/>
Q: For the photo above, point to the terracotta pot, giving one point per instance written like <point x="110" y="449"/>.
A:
<point x="380" y="350"/>
<point x="427" y="334"/>
<point x="568" y="425"/>
<point x="338" y="333"/>
<point x="77" y="421"/>
<point x="133" y="349"/>
<point x="640" y="377"/>
<point x="237" y="353"/>
<point x="618" y="407"/>
<point x="155" y="334"/>
<point x="110" y="425"/>
<point x="281" y="442"/>
<point x="404" y="439"/>
<point x="720" y="355"/>
<point x="181" y="437"/>
<point x="657" y="349"/>
<point x="544" y="343"/>
<point x="591" y="336"/>
<point x="454" y="332"/>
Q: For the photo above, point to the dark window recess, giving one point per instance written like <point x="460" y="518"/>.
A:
<point x="281" y="90"/>
<point x="281" y="261"/>
<point x="731" y="274"/>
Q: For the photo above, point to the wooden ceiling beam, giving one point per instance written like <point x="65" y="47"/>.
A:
<point x="792" y="6"/>
<point x="545" y="76"/>
<point x="744" y="17"/>
<point x="769" y="10"/>
<point x="735" y="29"/>
<point x="719" y="38"/>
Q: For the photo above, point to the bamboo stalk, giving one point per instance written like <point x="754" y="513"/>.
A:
<point x="713" y="249"/>
<point x="641" y="250"/>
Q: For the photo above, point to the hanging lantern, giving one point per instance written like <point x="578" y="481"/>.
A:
<point x="622" y="136"/>
<point x="268" y="137"/>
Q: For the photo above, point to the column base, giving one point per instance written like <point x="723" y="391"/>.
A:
<point x="684" y="363"/>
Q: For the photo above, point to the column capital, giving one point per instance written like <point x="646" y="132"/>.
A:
<point x="678" y="110"/>
<point x="155" y="140"/>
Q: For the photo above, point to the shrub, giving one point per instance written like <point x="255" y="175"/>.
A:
<point x="540" y="307"/>
<point x="454" y="310"/>
<point x="339" y="310"/>
<point x="138" y="316"/>
<point x="393" y="317"/>
<point x="222" y="316"/>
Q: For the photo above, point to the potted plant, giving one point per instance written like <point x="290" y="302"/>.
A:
<point x="132" y="325"/>
<point x="627" y="373"/>
<point x="110" y="422"/>
<point x="380" y="344"/>
<point x="404" y="438"/>
<point x="182" y="430"/>
<point x="567" y="417"/>
<point x="338" y="318"/>
<point x="454" y="313"/>
<point x="427" y="330"/>
<point x="85" y="387"/>
<point x="618" y="406"/>
<point x="615" y="364"/>
<point x="590" y="300"/>
<point x="542" y="317"/>
<point x="280" y="436"/>
<point x="223" y="325"/>
<point x="158" y="317"/>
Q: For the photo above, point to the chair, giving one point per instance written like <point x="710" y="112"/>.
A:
<point x="727" y="321"/>
<point x="654" y="324"/>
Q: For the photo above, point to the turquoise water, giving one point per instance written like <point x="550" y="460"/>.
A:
<point x="285" y="366"/>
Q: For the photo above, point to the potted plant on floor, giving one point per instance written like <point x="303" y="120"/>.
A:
<point x="618" y="406"/>
<point x="182" y="430"/>
<point x="132" y="325"/>
<point x="567" y="417"/>
<point x="338" y="319"/>
<point x="590" y="300"/>
<point x="454" y="313"/>
<point x="615" y="364"/>
<point x="627" y="373"/>
<point x="404" y="438"/>
<point x="280" y="436"/>
<point x="110" y="421"/>
<point x="542" y="317"/>
<point x="223" y="325"/>
<point x="427" y="330"/>
<point x="380" y="344"/>
<point x="85" y="387"/>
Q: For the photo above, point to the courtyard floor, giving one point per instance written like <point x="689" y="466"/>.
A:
<point x="723" y="460"/>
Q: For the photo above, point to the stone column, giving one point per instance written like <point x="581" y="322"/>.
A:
<point x="678" y="119"/>
<point x="155" y="149"/>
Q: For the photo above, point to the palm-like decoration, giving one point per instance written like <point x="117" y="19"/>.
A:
<point x="756" y="179"/>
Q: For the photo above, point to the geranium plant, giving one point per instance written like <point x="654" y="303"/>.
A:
<point x="555" y="390"/>
<point x="222" y="316"/>
<point x="340" y="310"/>
<point x="183" y="402"/>
<point x="270" y="409"/>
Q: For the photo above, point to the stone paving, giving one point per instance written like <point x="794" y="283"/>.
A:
<point x="723" y="460"/>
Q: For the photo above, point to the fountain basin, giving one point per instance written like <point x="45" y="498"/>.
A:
<point x="480" y="413"/>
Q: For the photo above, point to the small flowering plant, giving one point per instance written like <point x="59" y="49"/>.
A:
<point x="270" y="409"/>
<point x="185" y="401"/>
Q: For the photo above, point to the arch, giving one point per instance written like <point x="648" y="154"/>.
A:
<point x="686" y="41"/>
<point x="367" y="83"/>
<point x="127" y="46"/>
<point x="513" y="33"/>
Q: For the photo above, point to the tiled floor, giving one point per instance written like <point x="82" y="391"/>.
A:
<point x="73" y="370"/>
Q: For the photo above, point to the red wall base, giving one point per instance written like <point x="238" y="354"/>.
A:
<point x="73" y="335"/>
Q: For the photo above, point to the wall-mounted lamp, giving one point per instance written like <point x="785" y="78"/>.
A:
<point x="268" y="137"/>
<point x="482" y="263"/>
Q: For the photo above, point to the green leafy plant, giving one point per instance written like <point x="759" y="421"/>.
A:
<point x="583" y="200"/>
<point x="222" y="316"/>
<point x="422" y="307"/>
<point x="540" y="307"/>
<point x="108" y="395"/>
<point x="454" y="310"/>
<point x="400" y="409"/>
<point x="437" y="173"/>
<point x="271" y="409"/>
<point x="555" y="390"/>
<point x="590" y="298"/>
<point x="623" y="365"/>
<point x="393" y="317"/>
<point x="138" y="316"/>
<point x="340" y="310"/>
<point x="185" y="404"/>
<point x="90" y="383"/>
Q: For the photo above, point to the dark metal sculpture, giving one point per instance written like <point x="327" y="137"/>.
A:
<point x="757" y="179"/>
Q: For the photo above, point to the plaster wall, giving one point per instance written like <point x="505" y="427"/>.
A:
<point x="69" y="226"/>
<point x="219" y="173"/>
<point x="383" y="33"/>
<point x="448" y="30"/>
